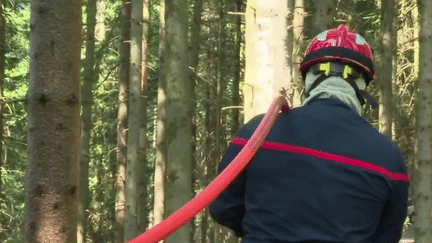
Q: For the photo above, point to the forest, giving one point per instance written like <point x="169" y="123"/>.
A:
<point x="152" y="92"/>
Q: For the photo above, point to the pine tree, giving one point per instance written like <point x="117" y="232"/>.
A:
<point x="422" y="185"/>
<point x="161" y="129"/>
<point x="267" y="69"/>
<point x="179" y="123"/>
<point x="122" y="119"/>
<point x="54" y="122"/>
<point x="87" y="102"/>
<point x="134" y="166"/>
<point x="386" y="66"/>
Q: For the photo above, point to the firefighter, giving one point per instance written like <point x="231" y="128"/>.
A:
<point x="323" y="174"/>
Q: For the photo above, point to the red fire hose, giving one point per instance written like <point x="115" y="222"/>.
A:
<point x="219" y="184"/>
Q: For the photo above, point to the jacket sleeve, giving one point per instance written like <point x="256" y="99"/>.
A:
<point x="395" y="212"/>
<point x="228" y="209"/>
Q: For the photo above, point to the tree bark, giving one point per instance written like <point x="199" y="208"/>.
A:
<point x="122" y="119"/>
<point x="235" y="122"/>
<point x="208" y="149"/>
<point x="298" y="28"/>
<point x="161" y="130"/>
<point x="54" y="122"/>
<point x="142" y="194"/>
<point x="178" y="190"/>
<point x="134" y="166"/>
<point x="86" y="121"/>
<point x="219" y="93"/>
<point x="194" y="46"/>
<point x="194" y="42"/>
<point x="386" y="67"/>
<point x="220" y="82"/>
<point x="422" y="185"/>
<point x="415" y="16"/>
<point x="2" y="72"/>
<point x="267" y="69"/>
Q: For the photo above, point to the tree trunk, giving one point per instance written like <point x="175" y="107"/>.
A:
<point x="161" y="132"/>
<point x="86" y="123"/>
<point x="386" y="66"/>
<point x="267" y="69"/>
<point x="422" y="178"/>
<point x="220" y="82"/>
<point x="324" y="14"/>
<point x="235" y="122"/>
<point x="194" y="42"/>
<point x="210" y="121"/>
<point x="219" y="93"/>
<point x="122" y="119"/>
<point x="415" y="16"/>
<point x="142" y="195"/>
<point x="194" y="46"/>
<point x="134" y="168"/>
<point x="204" y="224"/>
<point x="178" y="114"/>
<point x="54" y="122"/>
<point x="298" y="28"/>
<point x="208" y="146"/>
<point x="2" y="72"/>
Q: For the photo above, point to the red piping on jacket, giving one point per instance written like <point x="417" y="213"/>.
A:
<point x="328" y="156"/>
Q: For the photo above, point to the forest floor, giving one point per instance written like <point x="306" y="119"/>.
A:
<point x="407" y="235"/>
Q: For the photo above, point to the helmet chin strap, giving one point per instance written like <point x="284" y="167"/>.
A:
<point x="335" y="69"/>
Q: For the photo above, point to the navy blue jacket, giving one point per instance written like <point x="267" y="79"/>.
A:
<point x="324" y="174"/>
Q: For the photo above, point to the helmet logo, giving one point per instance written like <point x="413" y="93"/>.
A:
<point x="360" y="40"/>
<point x="322" y="36"/>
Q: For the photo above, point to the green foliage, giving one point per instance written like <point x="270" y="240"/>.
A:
<point x="17" y="50"/>
<point x="17" y="16"/>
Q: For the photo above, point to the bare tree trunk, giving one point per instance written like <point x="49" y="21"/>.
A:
<point x="386" y="66"/>
<point x="2" y="72"/>
<point x="161" y="132"/>
<point x="235" y="122"/>
<point x="220" y="82"/>
<point x="134" y="169"/>
<point x="219" y="93"/>
<point x="194" y="46"/>
<point x="179" y="123"/>
<point x="208" y="161"/>
<point x="204" y="224"/>
<point x="54" y="122"/>
<point x="210" y="121"/>
<point x="415" y="16"/>
<point x="86" y="123"/>
<point x="422" y="185"/>
<point x="298" y="28"/>
<point x="142" y="188"/>
<point x="122" y="119"/>
<point x="267" y="69"/>
<point x="324" y="14"/>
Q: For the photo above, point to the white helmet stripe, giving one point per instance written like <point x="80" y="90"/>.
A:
<point x="360" y="40"/>
<point x="322" y="36"/>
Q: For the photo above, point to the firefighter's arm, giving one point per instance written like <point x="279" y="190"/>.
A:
<point x="395" y="210"/>
<point x="228" y="209"/>
<point x="393" y="217"/>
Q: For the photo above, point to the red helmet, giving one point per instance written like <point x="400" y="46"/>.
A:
<point x="341" y="45"/>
